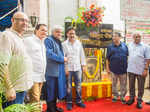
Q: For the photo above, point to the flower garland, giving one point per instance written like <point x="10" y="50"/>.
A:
<point x="97" y="66"/>
<point x="92" y="16"/>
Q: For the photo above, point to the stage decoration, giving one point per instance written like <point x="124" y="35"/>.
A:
<point x="98" y="53"/>
<point x="95" y="90"/>
<point x="93" y="16"/>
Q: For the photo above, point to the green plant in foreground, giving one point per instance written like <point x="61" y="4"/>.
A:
<point x="12" y="69"/>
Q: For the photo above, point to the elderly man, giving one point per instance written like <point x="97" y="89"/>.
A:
<point x="36" y="50"/>
<point x="76" y="63"/>
<point x="11" y="43"/>
<point x="138" y="63"/>
<point x="116" y="64"/>
<point x="55" y="72"/>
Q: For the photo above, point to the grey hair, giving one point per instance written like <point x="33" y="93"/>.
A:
<point x="137" y="33"/>
<point x="57" y="27"/>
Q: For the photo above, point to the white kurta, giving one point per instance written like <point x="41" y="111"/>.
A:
<point x="36" y="50"/>
<point x="11" y="43"/>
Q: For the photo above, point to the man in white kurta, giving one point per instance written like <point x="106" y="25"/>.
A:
<point x="36" y="50"/>
<point x="11" y="44"/>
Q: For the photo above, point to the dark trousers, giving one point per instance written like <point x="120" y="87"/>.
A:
<point x="141" y="82"/>
<point x="51" y="93"/>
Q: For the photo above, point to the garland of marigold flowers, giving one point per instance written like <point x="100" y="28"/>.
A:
<point x="97" y="67"/>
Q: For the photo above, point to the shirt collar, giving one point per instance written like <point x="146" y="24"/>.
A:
<point x="12" y="30"/>
<point x="139" y="44"/>
<point x="70" y="42"/>
<point x="37" y="38"/>
<point x="117" y="46"/>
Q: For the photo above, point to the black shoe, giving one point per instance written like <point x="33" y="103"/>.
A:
<point x="114" y="99"/>
<point x="139" y="105"/>
<point x="69" y="106"/>
<point x="123" y="100"/>
<point x="148" y="103"/>
<point x="130" y="102"/>
<point x="82" y="105"/>
<point x="58" y="109"/>
<point x="51" y="107"/>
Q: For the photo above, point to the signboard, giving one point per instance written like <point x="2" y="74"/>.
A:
<point x="135" y="9"/>
<point x="94" y="37"/>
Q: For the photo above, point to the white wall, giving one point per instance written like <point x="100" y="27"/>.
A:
<point x="112" y="13"/>
<point x="59" y="9"/>
<point x="43" y="12"/>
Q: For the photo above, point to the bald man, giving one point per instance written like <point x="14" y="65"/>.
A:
<point x="11" y="43"/>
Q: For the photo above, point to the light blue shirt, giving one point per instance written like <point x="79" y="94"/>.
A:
<point x="75" y="54"/>
<point x="138" y="53"/>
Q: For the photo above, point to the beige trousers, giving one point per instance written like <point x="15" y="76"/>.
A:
<point x="35" y="92"/>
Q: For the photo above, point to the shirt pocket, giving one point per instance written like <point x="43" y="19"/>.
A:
<point x="140" y="53"/>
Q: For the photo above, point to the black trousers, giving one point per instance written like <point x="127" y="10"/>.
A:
<point x="140" y="82"/>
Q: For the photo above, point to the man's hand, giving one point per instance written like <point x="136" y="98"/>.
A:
<point x="144" y="74"/>
<point x="65" y="59"/>
<point x="67" y="72"/>
<point x="108" y="71"/>
<point x="84" y="69"/>
<point x="10" y="94"/>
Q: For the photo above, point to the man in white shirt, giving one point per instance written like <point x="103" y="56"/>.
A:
<point x="36" y="50"/>
<point x="74" y="66"/>
<point x="11" y="44"/>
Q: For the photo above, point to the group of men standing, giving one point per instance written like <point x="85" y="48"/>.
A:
<point x="56" y="63"/>
<point x="133" y="60"/>
<point x="47" y="60"/>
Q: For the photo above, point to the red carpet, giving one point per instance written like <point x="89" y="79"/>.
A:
<point x="106" y="105"/>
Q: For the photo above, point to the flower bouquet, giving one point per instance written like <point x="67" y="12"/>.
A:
<point x="93" y="16"/>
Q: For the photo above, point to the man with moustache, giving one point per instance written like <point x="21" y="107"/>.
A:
<point x="116" y="65"/>
<point x="74" y="66"/>
<point x="55" y="72"/>
<point x="36" y="50"/>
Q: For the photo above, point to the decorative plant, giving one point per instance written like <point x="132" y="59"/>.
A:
<point x="11" y="71"/>
<point x="93" y="16"/>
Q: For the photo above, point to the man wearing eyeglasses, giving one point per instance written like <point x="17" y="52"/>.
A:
<point x="138" y="62"/>
<point x="11" y="44"/>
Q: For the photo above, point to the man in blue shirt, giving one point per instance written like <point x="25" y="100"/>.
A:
<point x="138" y="62"/>
<point x="116" y="64"/>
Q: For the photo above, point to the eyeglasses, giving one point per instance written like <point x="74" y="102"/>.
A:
<point x="21" y="19"/>
<point x="137" y="36"/>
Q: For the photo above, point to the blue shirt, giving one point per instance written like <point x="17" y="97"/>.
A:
<point x="117" y="57"/>
<point x="138" y="53"/>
